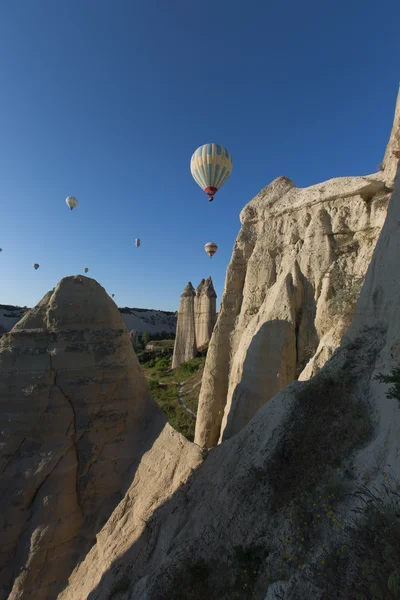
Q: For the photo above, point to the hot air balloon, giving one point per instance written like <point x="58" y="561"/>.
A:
<point x="1" y="249"/>
<point x="137" y="242"/>
<point x="112" y="295"/>
<point x="86" y="269"/>
<point x="211" y="166"/>
<point x="36" y="266"/>
<point x="71" y="202"/>
<point x="211" y="248"/>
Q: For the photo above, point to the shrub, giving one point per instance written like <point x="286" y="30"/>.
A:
<point x="149" y="364"/>
<point x="346" y="291"/>
<point x="191" y="366"/>
<point x="364" y="564"/>
<point x="324" y="429"/>
<point x="394" y="378"/>
<point x="163" y="365"/>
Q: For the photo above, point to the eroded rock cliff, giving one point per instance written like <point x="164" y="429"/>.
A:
<point x="295" y="273"/>
<point x="262" y="517"/>
<point x="77" y="426"/>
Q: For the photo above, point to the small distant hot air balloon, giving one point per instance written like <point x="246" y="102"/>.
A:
<point x="71" y="202"/>
<point x="137" y="242"/>
<point x="211" y="248"/>
<point x="112" y="295"/>
<point x="211" y="166"/>
<point x="1" y="249"/>
<point x="86" y="269"/>
<point x="36" y="266"/>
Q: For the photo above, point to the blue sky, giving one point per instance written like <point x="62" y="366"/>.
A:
<point x="107" y="101"/>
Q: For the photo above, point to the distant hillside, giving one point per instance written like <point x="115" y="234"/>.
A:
<point x="153" y="321"/>
<point x="140" y="319"/>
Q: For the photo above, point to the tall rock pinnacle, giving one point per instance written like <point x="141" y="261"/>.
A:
<point x="205" y="311"/>
<point x="196" y="320"/>
<point x="185" y="342"/>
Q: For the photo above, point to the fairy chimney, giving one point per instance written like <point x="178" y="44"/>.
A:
<point x="185" y="341"/>
<point x="205" y="311"/>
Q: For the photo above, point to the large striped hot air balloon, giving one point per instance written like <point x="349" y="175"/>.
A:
<point x="211" y="166"/>
<point x="211" y="248"/>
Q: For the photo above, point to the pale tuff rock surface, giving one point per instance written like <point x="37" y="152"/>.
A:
<point x="76" y="421"/>
<point x="205" y="311"/>
<point x="196" y="319"/>
<point x="392" y="154"/>
<point x="249" y="494"/>
<point x="296" y="250"/>
<point x="185" y="339"/>
<point x="299" y="251"/>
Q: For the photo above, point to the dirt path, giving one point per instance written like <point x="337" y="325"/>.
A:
<point x="180" y="400"/>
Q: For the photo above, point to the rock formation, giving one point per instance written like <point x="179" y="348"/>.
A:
<point x="293" y="279"/>
<point x="233" y="525"/>
<point x="77" y="427"/>
<point x="185" y="341"/>
<point x="196" y="320"/>
<point x="392" y="154"/>
<point x="205" y="311"/>
<point x="228" y="526"/>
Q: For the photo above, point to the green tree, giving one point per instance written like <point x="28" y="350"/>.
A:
<point x="145" y="338"/>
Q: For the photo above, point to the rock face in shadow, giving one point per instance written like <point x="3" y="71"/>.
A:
<point x="76" y="420"/>
<point x="196" y="319"/>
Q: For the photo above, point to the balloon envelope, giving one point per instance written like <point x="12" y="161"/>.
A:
<point x="211" y="248"/>
<point x="86" y="269"/>
<point x="137" y="242"/>
<point x="36" y="266"/>
<point x="211" y="166"/>
<point x="71" y="202"/>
